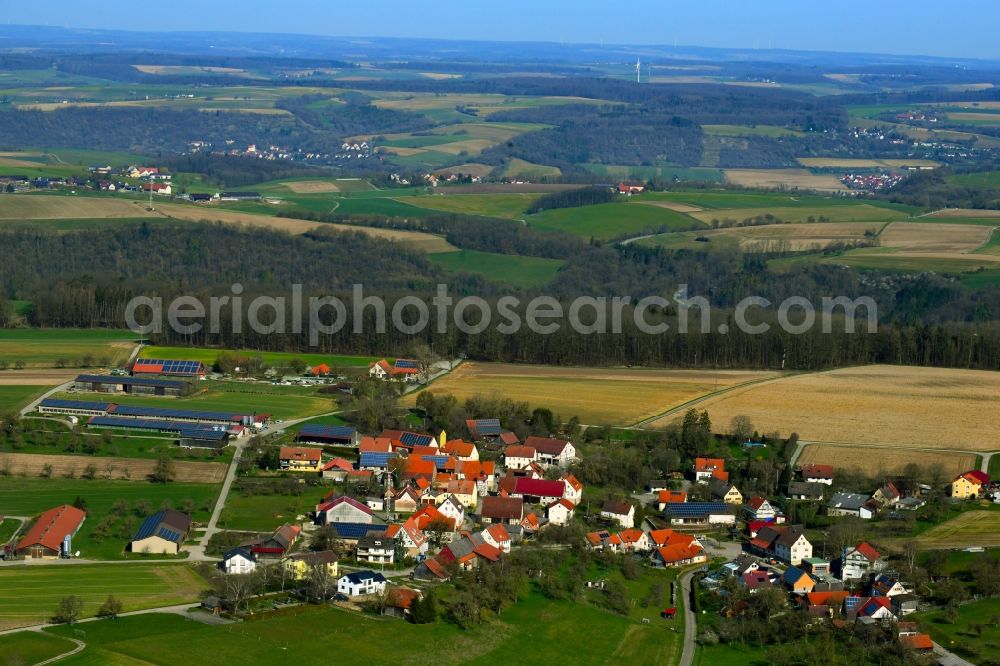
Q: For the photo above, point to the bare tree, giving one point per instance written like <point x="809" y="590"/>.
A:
<point x="237" y="589"/>
<point x="320" y="586"/>
<point x="741" y="428"/>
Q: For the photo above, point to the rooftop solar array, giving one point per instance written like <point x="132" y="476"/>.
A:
<point x="488" y="426"/>
<point x="151" y="526"/>
<point x="406" y="363"/>
<point x="130" y="381"/>
<point x="55" y="403"/>
<point x="375" y="459"/>
<point x="357" y="530"/>
<point x="169" y="412"/>
<point x="192" y="430"/>
<point x="327" y="432"/>
<point x="439" y="461"/>
<point x="686" y="509"/>
<point x="169" y="367"/>
<point x="415" y="439"/>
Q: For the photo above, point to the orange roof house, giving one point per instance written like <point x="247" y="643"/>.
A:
<point x="671" y="496"/>
<point x="47" y="535"/>
<point x="710" y="468"/>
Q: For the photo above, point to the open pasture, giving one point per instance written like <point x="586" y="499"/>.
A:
<point x="13" y="398"/>
<point x="52" y="207"/>
<point x="874" y="405"/>
<point x="63" y="466"/>
<point x="750" y="130"/>
<point x="40" y="348"/>
<point x="32" y="647"/>
<point x="872" y="460"/>
<point x="504" y="268"/>
<point x="771" y="237"/>
<point x="606" y="221"/>
<point x="597" y="396"/>
<point x="852" y="163"/>
<point x="522" y="169"/>
<point x="791" y="179"/>
<point x="802" y="215"/>
<point x="510" y="206"/>
<point x="938" y="238"/>
<point x="971" y="528"/>
<point x="30" y="594"/>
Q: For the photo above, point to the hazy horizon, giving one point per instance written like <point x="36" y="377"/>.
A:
<point x="891" y="27"/>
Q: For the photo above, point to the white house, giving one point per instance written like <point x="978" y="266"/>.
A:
<point x="239" y="561"/>
<point x="818" y="474"/>
<point x="560" y="512"/>
<point x="552" y="452"/>
<point x="498" y="537"/>
<point x="857" y="561"/>
<point x="452" y="508"/>
<point x="620" y="512"/>
<point x="760" y="509"/>
<point x="519" y="457"/>
<point x="574" y="489"/>
<point x="849" y="504"/>
<point x="361" y="583"/>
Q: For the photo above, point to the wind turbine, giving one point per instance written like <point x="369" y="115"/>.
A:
<point x="638" y="70"/>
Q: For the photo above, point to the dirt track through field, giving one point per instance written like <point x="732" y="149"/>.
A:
<point x="36" y="377"/>
<point x="32" y="464"/>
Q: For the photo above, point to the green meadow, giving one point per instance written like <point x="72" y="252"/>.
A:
<point x="606" y="221"/>
<point x="505" y="268"/>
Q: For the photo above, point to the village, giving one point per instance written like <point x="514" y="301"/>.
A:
<point x="400" y="513"/>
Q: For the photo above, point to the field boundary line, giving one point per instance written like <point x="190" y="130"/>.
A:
<point x="894" y="447"/>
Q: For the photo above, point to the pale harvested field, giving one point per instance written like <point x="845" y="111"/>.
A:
<point x="972" y="528"/>
<point x="786" y="178"/>
<point x="991" y="117"/>
<point x="14" y="162"/>
<point x="967" y="212"/>
<point x="672" y="205"/>
<point x="416" y="239"/>
<point x="471" y="169"/>
<point x="618" y="396"/>
<point x="32" y="464"/>
<point x="859" y="213"/>
<point x="974" y="105"/>
<point x="312" y="186"/>
<point x="51" y="207"/>
<point x="935" y="238"/>
<point x="889" y="461"/>
<point x="853" y="163"/>
<point x="182" y="69"/>
<point x="402" y="152"/>
<point x="875" y="405"/>
<point x="36" y="377"/>
<point x="798" y="237"/>
<point x="468" y="146"/>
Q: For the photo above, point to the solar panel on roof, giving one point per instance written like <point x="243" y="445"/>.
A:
<point x="333" y="432"/>
<point x="375" y="459"/>
<point x="414" y="439"/>
<point x="55" y="403"/>
<point x="130" y="381"/>
<point x="406" y="363"/>
<point x="169" y="412"/>
<point x="148" y="526"/>
<point x="357" y="530"/>
<point x="192" y="430"/>
<point x="693" y="508"/>
<point x="169" y="535"/>
<point x="488" y="426"/>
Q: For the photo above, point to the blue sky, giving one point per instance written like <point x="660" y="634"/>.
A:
<point x="958" y="28"/>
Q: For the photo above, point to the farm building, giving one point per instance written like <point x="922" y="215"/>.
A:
<point x="343" y="509"/>
<point x="171" y="368"/>
<point x="162" y="533"/>
<point x="558" y="452"/>
<point x="534" y="491"/>
<point x="52" y="534"/>
<point x="239" y="196"/>
<point x="699" y="513"/>
<point x="406" y="370"/>
<point x="333" y="435"/>
<point x="131" y="385"/>
<point x="501" y="510"/>
<point x="194" y="435"/>
<point x="490" y="431"/>
<point x="817" y="473"/>
<point x="850" y="504"/>
<point x="73" y="407"/>
<point x="300" y="459"/>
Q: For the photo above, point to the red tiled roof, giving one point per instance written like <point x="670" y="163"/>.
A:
<point x="810" y="471"/>
<point x="708" y="464"/>
<point x="546" y="445"/>
<point x="520" y="452"/>
<point x="672" y="496"/>
<point x="498" y="532"/>
<point x="539" y="487"/>
<point x="917" y="642"/>
<point x="631" y="535"/>
<point x="485" y="550"/>
<point x="300" y="453"/>
<point x="344" y="499"/>
<point x="375" y="444"/>
<point x="756" y="502"/>
<point x="401" y="597"/>
<point x="620" y="508"/>
<point x="459" y="447"/>
<point x="670" y="537"/>
<point x="975" y="476"/>
<point x="868" y="551"/>
<point x="52" y="527"/>
<point x="338" y="463"/>
<point x="437" y="567"/>
<point x="573" y="482"/>
<point x="678" y="553"/>
<point x="502" y="508"/>
<point x="835" y="598"/>
<point x="507" y="437"/>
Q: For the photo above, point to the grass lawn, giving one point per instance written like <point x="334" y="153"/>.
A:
<point x="535" y="631"/>
<point x="250" y="399"/>
<point x="978" y="179"/>
<point x="46" y="440"/>
<point x="30" y="647"/>
<point x="506" y="268"/>
<point x="961" y="638"/>
<point x="7" y="528"/>
<point x="12" y="398"/>
<point x="20" y="496"/>
<point x="981" y="279"/>
<point x="605" y="221"/>
<point x="512" y="206"/>
<point x="750" y="130"/>
<point x="261" y="513"/>
<point x="281" y="359"/>
<point x="30" y="594"/>
<point x="969" y="528"/>
<point x="730" y="655"/>
<point x="44" y="346"/>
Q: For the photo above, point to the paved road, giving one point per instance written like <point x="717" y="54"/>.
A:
<point x="178" y="609"/>
<point x="197" y="552"/>
<point x="690" y="623"/>
<point x="33" y="405"/>
<point x="946" y="658"/>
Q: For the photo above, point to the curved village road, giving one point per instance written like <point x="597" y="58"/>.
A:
<point x="690" y="624"/>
